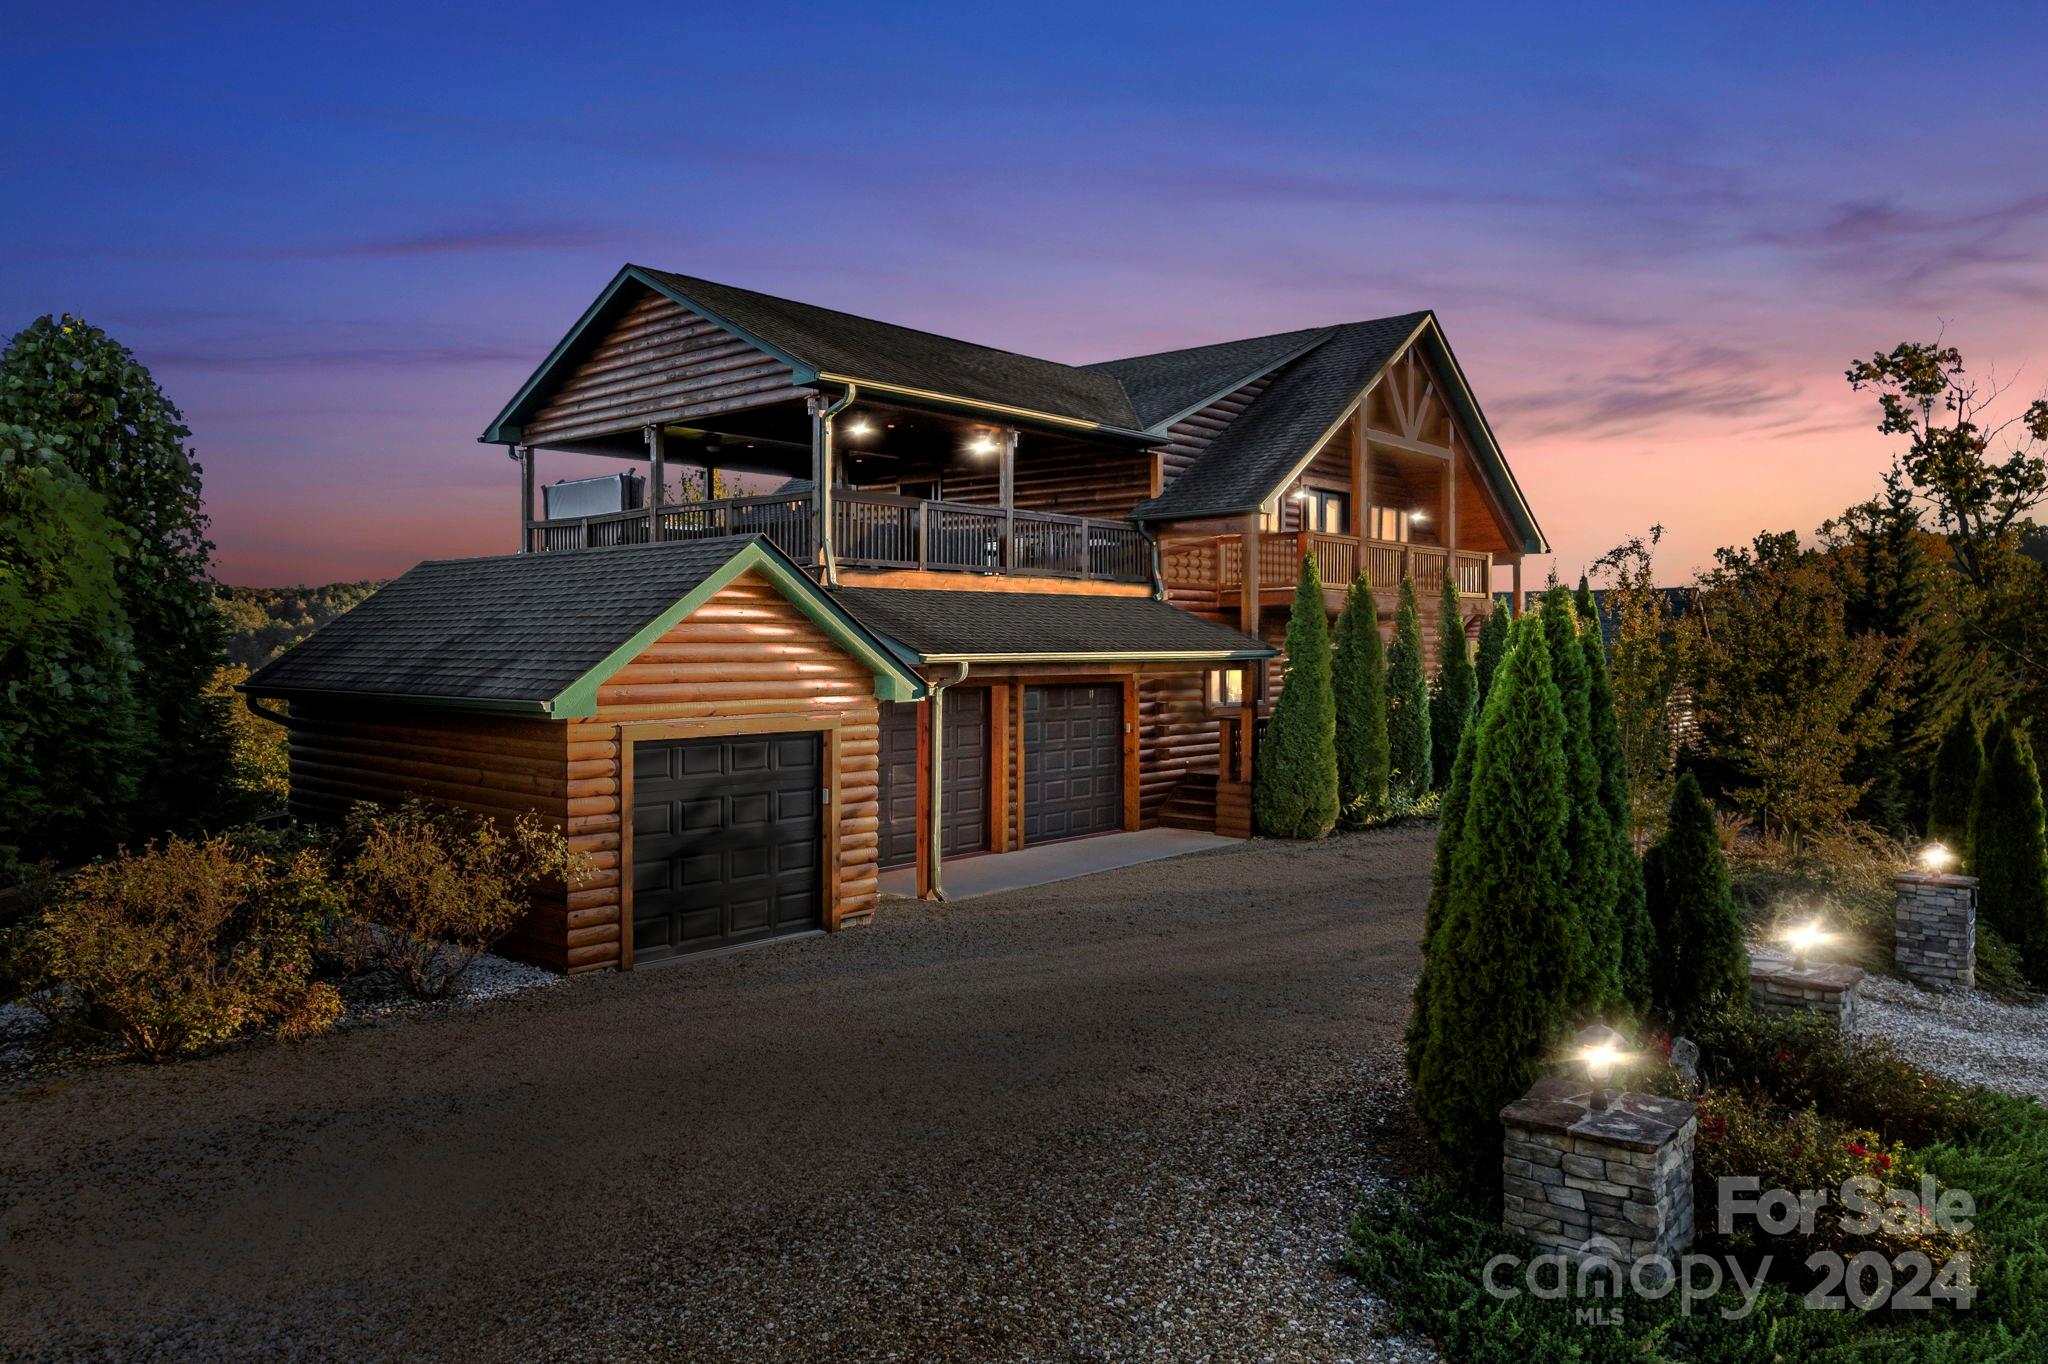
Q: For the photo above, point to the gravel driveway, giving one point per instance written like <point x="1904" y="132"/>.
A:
<point x="1115" y="1118"/>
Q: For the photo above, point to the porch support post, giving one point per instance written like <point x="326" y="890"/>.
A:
<point x="1515" y="585"/>
<point x="657" y="477"/>
<point x="1006" y="492"/>
<point x="524" y="454"/>
<point x="1451" y="505"/>
<point x="1248" y="603"/>
<point x="1361" y="477"/>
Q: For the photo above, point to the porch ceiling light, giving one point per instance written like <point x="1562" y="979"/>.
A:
<point x="1418" y="516"/>
<point x="860" y="427"/>
<point x="982" y="444"/>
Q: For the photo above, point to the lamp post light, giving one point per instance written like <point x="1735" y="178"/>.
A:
<point x="1803" y="939"/>
<point x="1601" y="1051"/>
<point x="1937" y="858"/>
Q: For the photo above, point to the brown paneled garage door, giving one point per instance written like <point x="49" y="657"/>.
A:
<point x="965" y="757"/>
<point x="727" y="841"/>
<point x="1073" y="761"/>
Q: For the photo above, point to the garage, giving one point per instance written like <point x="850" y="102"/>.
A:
<point x="1073" y="761"/>
<point x="727" y="842"/>
<point x="963" y="803"/>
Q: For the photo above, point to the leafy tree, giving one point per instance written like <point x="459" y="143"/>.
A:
<point x="67" y="661"/>
<point x="1789" y="699"/>
<point x="1701" y="964"/>
<point x="1957" y="764"/>
<point x="1631" y="908"/>
<point x="1294" y="791"/>
<point x="1407" y="701"/>
<point x="1592" y="881"/>
<point x="2009" y="847"/>
<point x="1498" y="971"/>
<point x="1493" y="646"/>
<point x="77" y="387"/>
<point x="1359" y="678"/>
<point x="1651" y="664"/>
<point x="265" y="621"/>
<point x="1457" y="686"/>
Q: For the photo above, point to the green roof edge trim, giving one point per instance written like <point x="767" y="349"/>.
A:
<point x="893" y="681"/>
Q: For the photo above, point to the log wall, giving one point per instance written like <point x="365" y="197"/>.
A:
<point x="1191" y="435"/>
<point x="659" y="363"/>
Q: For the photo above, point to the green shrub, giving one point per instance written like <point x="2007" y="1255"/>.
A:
<point x="1956" y="765"/>
<point x="1631" y="905"/>
<point x="1801" y="1061"/>
<point x="2009" y="847"/>
<point x="429" y="889"/>
<point x="184" y="946"/>
<point x="1358" y="676"/>
<point x="1500" y="969"/>
<point x="1457" y="687"/>
<point x="1593" y="882"/>
<point x="2000" y="971"/>
<point x="1294" y="788"/>
<point x="1408" y="700"/>
<point x="1493" y="646"/>
<point x="1702" y="965"/>
<point x="1450" y="830"/>
<point x="1743" y="1134"/>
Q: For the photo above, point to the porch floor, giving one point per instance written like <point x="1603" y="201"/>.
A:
<point x="987" y="875"/>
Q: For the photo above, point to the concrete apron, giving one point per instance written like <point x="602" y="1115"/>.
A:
<point x="988" y="874"/>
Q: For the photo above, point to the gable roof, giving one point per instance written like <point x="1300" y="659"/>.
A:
<point x="1167" y="385"/>
<point x="945" y="625"/>
<point x="538" y="633"/>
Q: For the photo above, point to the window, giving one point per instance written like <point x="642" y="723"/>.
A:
<point x="1326" y="511"/>
<point x="1226" y="689"/>
<point x="1386" y="523"/>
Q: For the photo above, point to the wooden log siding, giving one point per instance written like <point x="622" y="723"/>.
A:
<point x="659" y="363"/>
<point x="745" y="653"/>
<point x="1069" y="477"/>
<point x="1192" y="434"/>
<point x="1177" y="736"/>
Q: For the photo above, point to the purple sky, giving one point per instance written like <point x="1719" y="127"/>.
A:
<point x="1655" y="239"/>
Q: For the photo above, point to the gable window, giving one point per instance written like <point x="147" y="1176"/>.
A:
<point x="1387" y="523"/>
<point x="1326" y="511"/>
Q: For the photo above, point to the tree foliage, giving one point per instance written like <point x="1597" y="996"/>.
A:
<point x="1408" y="746"/>
<point x="1651" y="663"/>
<point x="1789" y="700"/>
<point x="1294" y="791"/>
<point x="1593" y="880"/>
<point x="1493" y="646"/>
<point x="2009" y="847"/>
<point x="1359" y="680"/>
<point x="1957" y="764"/>
<point x="1701" y="964"/>
<point x="81" y="391"/>
<point x="1457" y="685"/>
<point x="1500" y="967"/>
<point x="67" y="660"/>
<point x="1631" y="909"/>
<point x="265" y="621"/>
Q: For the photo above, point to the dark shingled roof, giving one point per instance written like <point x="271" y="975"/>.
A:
<point x="1166" y="384"/>
<point x="944" y="623"/>
<point x="861" y="348"/>
<point x="1247" y="462"/>
<point x="514" y="630"/>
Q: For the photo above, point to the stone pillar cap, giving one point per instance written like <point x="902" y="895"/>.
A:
<point x="1935" y="878"/>
<point x="1638" y="1122"/>
<point x="1819" y="976"/>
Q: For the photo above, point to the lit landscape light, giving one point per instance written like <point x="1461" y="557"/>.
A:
<point x="1601" y="1052"/>
<point x="1803" y="938"/>
<point x="1937" y="858"/>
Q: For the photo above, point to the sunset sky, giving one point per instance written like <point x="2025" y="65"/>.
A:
<point x="1655" y="238"/>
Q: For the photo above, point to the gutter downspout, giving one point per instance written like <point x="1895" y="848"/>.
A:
<point x="934" y="778"/>
<point x="823" y="474"/>
<point x="1158" y="567"/>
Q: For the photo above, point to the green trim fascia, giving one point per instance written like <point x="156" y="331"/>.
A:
<point x="1533" y="541"/>
<point x="893" y="682"/>
<point x="1116" y="656"/>
<point x="498" y="433"/>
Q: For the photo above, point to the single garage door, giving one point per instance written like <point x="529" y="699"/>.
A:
<point x="727" y="841"/>
<point x="1073" y="761"/>
<point x="964" y="803"/>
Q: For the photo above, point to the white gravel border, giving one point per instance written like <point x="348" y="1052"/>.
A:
<point x="1965" y="1035"/>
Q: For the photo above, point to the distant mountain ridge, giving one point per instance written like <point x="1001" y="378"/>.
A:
<point x="265" y="621"/>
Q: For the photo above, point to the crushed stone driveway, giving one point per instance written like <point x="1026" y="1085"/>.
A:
<point x="1122" y="1117"/>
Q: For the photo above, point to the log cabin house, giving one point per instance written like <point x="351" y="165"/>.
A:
<point x="988" y="601"/>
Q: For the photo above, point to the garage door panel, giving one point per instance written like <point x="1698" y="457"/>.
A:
<point x="1073" y="761"/>
<point x="726" y="845"/>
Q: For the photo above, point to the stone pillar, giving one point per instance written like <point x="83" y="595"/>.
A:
<point x="1935" y="929"/>
<point x="1778" y="986"/>
<point x="1611" y="1183"/>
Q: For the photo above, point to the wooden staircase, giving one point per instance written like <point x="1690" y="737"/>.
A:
<point x="1192" y="803"/>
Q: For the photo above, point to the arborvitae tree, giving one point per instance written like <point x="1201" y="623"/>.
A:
<point x="1498" y="971"/>
<point x="1593" y="881"/>
<point x="1457" y="686"/>
<point x="1359" y="676"/>
<point x="1701" y="964"/>
<point x="1407" y="701"/>
<point x="1582" y="601"/>
<point x="1449" y="830"/>
<point x="2009" y="847"/>
<point x="1957" y="764"/>
<point x="83" y="392"/>
<point x="1294" y="793"/>
<point x="1631" y="910"/>
<point x="1493" y="646"/>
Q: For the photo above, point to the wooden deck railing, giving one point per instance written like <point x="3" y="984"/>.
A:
<point x="877" y="530"/>
<point x="1219" y="561"/>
